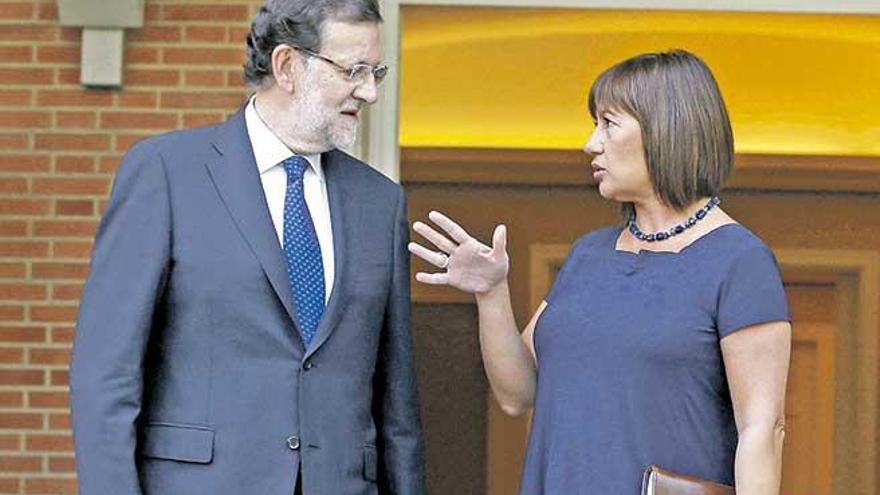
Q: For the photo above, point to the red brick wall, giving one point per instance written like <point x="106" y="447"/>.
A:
<point x="59" y="147"/>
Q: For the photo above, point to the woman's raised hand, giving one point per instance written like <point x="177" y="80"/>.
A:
<point x="467" y="264"/>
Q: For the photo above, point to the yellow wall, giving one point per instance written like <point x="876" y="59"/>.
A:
<point x="517" y="78"/>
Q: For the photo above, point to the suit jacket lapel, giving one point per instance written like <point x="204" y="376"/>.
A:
<point x="345" y="222"/>
<point x="237" y="180"/>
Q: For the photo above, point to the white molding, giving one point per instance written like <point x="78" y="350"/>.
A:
<point x="813" y="6"/>
<point x="380" y="145"/>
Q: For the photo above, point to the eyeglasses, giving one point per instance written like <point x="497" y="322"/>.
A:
<point x="357" y="73"/>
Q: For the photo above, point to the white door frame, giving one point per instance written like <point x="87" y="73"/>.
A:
<point x="378" y="141"/>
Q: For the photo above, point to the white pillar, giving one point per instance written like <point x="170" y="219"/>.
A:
<point x="378" y="144"/>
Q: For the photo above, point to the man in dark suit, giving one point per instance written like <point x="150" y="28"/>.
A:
<point x="245" y="326"/>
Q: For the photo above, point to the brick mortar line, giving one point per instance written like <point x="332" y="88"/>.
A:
<point x="58" y="175"/>
<point x="52" y="475"/>
<point x="9" y="409"/>
<point x="157" y="66"/>
<point x="33" y="430"/>
<point x="48" y="216"/>
<point x="65" y="196"/>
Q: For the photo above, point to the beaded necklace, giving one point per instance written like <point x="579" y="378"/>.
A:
<point x="674" y="231"/>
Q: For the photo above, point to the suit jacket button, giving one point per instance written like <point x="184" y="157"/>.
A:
<point x="308" y="365"/>
<point x="293" y="442"/>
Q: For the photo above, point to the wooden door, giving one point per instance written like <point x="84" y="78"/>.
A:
<point x="808" y="453"/>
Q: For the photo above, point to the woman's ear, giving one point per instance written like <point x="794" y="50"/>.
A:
<point x="284" y="65"/>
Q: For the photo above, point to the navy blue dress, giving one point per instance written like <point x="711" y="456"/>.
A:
<point x="630" y="371"/>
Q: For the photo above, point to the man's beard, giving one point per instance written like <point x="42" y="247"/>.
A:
<point x="344" y="134"/>
<point x="328" y="129"/>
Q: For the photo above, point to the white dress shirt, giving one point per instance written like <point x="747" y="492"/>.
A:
<point x="270" y="152"/>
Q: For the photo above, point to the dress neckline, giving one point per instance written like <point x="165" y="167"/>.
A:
<point x="641" y="252"/>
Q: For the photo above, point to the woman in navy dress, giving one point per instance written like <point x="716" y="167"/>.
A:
<point x="665" y="340"/>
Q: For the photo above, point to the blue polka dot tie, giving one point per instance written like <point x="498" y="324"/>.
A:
<point x="305" y="270"/>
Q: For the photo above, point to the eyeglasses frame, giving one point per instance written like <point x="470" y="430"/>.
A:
<point x="379" y="71"/>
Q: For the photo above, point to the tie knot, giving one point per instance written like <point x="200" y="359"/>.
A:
<point x="295" y="166"/>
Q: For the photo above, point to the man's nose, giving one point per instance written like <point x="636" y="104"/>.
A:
<point x="367" y="91"/>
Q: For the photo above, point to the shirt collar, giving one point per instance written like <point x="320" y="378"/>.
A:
<point x="270" y="151"/>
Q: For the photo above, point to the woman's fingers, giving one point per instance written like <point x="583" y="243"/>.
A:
<point x="439" y="278"/>
<point x="453" y="229"/>
<point x="436" y="238"/>
<point x="499" y="239"/>
<point x="433" y="257"/>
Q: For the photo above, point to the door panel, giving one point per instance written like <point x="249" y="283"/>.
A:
<point x="807" y="457"/>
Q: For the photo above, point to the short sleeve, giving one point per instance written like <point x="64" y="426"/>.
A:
<point x="752" y="292"/>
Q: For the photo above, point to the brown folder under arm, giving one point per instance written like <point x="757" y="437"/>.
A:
<point x="657" y="481"/>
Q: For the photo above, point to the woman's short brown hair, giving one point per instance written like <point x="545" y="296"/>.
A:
<point x="685" y="128"/>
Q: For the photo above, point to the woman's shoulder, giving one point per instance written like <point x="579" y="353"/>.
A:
<point x="733" y="248"/>
<point x="739" y="240"/>
<point x="601" y="237"/>
<point x="591" y="243"/>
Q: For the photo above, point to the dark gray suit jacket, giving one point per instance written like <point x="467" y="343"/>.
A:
<point x="188" y="374"/>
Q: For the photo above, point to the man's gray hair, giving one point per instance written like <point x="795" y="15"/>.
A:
<point x="297" y="23"/>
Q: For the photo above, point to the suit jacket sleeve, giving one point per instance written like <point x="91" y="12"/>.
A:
<point x="397" y="409"/>
<point x="129" y="266"/>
